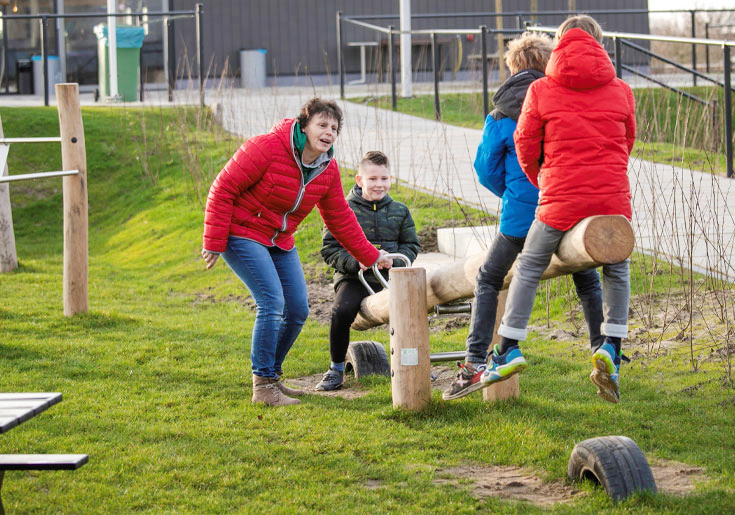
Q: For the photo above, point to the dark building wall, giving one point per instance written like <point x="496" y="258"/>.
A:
<point x="300" y="35"/>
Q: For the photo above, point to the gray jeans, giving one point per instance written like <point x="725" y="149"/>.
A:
<point x="541" y="243"/>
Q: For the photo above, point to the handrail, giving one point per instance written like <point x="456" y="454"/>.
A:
<point x="664" y="85"/>
<point x="52" y="139"/>
<point x="39" y="175"/>
<point x="648" y="37"/>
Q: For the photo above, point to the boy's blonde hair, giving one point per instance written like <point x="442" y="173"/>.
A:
<point x="580" y="21"/>
<point x="375" y="157"/>
<point x="529" y="51"/>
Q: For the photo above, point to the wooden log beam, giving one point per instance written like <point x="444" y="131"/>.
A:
<point x="594" y="241"/>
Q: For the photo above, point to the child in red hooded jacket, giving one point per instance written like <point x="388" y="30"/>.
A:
<point x="573" y="140"/>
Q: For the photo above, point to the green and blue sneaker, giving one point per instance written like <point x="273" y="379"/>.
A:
<point x="503" y="366"/>
<point x="606" y="374"/>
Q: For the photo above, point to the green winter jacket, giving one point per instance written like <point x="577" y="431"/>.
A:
<point x="387" y="224"/>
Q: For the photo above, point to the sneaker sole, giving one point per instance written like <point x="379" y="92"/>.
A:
<point x="322" y="389"/>
<point x="607" y="389"/>
<point x="462" y="393"/>
<point x="511" y="368"/>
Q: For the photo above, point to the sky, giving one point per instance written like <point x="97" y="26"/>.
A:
<point x="690" y="4"/>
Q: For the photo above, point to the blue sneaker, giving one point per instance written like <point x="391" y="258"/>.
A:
<point x="606" y="374"/>
<point x="503" y="366"/>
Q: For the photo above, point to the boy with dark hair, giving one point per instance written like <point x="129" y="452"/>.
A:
<point x="498" y="170"/>
<point x="388" y="225"/>
<point x="579" y="121"/>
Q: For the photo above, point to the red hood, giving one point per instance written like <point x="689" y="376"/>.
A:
<point x="580" y="62"/>
<point x="282" y="129"/>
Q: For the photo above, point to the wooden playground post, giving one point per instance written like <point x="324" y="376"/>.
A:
<point x="8" y="255"/>
<point x="74" y="157"/>
<point x="409" y="339"/>
<point x="510" y="388"/>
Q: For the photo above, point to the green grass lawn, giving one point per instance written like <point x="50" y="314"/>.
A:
<point x="156" y="377"/>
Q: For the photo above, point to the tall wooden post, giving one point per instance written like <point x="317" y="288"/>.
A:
<point x="74" y="157"/>
<point x="8" y="256"/>
<point x="509" y="388"/>
<point x="409" y="339"/>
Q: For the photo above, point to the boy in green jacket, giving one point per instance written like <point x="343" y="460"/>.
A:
<point x="389" y="226"/>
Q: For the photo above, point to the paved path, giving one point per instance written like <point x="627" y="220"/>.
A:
<point x="679" y="214"/>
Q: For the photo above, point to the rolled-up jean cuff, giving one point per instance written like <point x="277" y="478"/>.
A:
<point x="614" y="330"/>
<point x="512" y="332"/>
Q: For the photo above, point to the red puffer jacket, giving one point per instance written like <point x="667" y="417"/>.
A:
<point x="259" y="195"/>
<point x="583" y="120"/>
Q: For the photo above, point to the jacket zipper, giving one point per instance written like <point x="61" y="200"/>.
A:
<point x="302" y="188"/>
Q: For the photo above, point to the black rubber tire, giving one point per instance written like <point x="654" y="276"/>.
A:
<point x="367" y="358"/>
<point x="615" y="462"/>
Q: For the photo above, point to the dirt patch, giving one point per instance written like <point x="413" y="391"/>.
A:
<point x="321" y="297"/>
<point x="442" y="376"/>
<point x="507" y="482"/>
<point x="350" y="390"/>
<point x="676" y="478"/>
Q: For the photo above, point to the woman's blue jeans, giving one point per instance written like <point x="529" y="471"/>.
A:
<point x="276" y="282"/>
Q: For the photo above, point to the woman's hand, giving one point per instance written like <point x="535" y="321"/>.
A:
<point x="210" y="258"/>
<point x="383" y="261"/>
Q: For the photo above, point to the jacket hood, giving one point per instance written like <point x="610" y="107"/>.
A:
<point x="580" y="62"/>
<point x="355" y="195"/>
<point x="508" y="100"/>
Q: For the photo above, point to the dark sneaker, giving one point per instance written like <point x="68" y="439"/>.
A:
<point x="466" y="382"/>
<point x="503" y="366"/>
<point x="332" y="380"/>
<point x="606" y="374"/>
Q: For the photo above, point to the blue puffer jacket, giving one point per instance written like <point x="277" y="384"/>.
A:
<point x="496" y="163"/>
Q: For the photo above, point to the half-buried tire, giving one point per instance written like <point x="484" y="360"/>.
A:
<point x="615" y="462"/>
<point x="367" y="358"/>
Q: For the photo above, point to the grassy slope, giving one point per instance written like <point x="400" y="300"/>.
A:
<point x="156" y="377"/>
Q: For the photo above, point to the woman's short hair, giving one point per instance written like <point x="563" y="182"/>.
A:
<point x="375" y="157"/>
<point x="317" y="105"/>
<point x="529" y="51"/>
<point x="580" y="21"/>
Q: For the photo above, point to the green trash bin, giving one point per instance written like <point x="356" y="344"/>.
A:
<point x="129" y="41"/>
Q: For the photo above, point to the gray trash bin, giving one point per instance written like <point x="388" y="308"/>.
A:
<point x="252" y="68"/>
<point x="54" y="75"/>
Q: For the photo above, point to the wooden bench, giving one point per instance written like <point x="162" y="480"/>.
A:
<point x="38" y="462"/>
<point x="16" y="408"/>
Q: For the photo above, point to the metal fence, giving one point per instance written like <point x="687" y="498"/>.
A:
<point x="168" y="18"/>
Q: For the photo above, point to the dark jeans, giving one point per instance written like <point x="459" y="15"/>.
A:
<point x="348" y="296"/>
<point x="489" y="281"/>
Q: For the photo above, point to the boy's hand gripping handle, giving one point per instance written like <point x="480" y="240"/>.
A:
<point x="379" y="275"/>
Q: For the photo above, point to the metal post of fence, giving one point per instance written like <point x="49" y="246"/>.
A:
<point x="728" y="108"/>
<point x="44" y="56"/>
<point x="435" y="61"/>
<point x="340" y="56"/>
<point x="706" y="47"/>
<point x="694" y="47"/>
<point x="6" y="75"/>
<point x="618" y="57"/>
<point x="200" y="56"/>
<point x="483" y="45"/>
<point x="392" y="64"/>
<point x="170" y="58"/>
<point x="715" y="108"/>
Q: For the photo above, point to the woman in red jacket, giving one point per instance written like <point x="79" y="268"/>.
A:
<point x="253" y="208"/>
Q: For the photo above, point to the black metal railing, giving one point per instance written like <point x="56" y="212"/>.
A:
<point x="168" y="19"/>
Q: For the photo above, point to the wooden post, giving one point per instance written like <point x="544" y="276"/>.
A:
<point x="8" y="256"/>
<point x="409" y="339"/>
<point x="74" y="157"/>
<point x="508" y="389"/>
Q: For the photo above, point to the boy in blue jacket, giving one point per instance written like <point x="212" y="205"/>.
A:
<point x="498" y="170"/>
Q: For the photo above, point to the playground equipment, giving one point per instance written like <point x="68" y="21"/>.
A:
<point x="592" y="242"/>
<point x="615" y="462"/>
<point x="74" y="164"/>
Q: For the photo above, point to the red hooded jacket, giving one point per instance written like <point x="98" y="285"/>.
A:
<point x="579" y="121"/>
<point x="260" y="195"/>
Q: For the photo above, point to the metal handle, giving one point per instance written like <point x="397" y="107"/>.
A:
<point x="377" y="273"/>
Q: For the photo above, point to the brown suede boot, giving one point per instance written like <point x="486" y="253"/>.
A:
<point x="288" y="390"/>
<point x="266" y="390"/>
